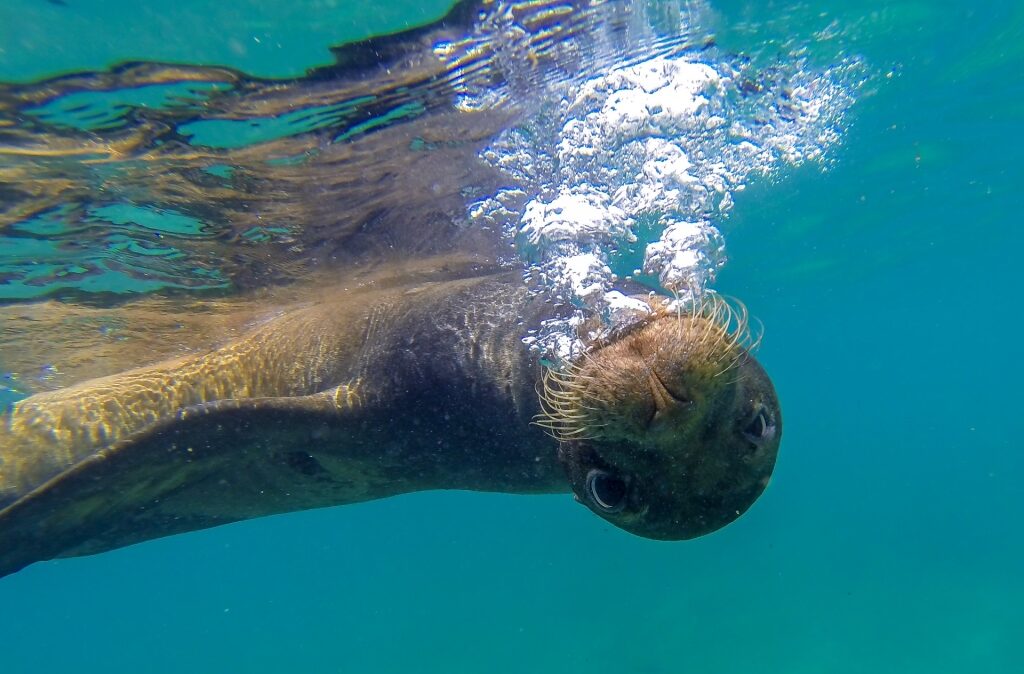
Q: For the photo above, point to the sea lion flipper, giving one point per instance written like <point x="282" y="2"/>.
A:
<point x="207" y="465"/>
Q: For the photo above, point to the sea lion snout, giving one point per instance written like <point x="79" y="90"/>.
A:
<point x="671" y="431"/>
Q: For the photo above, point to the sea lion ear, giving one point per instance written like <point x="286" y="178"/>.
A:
<point x="207" y="465"/>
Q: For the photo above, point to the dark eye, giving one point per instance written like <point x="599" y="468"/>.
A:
<point x="606" y="491"/>
<point x="761" y="428"/>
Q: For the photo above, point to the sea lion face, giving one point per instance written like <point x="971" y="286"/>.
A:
<point x="671" y="431"/>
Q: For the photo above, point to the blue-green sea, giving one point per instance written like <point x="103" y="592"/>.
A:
<point x="888" y="280"/>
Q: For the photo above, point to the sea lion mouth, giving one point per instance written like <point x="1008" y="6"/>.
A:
<point x="639" y="379"/>
<point x="653" y="437"/>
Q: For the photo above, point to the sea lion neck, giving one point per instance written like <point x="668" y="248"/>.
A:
<point x="455" y="387"/>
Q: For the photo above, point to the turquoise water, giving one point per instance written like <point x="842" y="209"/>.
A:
<point x="889" y="539"/>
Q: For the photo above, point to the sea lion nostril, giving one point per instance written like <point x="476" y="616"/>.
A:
<point x="664" y="398"/>
<point x="606" y="491"/>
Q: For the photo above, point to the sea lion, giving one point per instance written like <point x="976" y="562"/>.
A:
<point x="668" y="429"/>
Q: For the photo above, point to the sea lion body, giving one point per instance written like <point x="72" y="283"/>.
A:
<point x="668" y="430"/>
<point x="365" y="394"/>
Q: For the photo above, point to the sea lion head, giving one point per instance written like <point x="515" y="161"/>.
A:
<point x="669" y="430"/>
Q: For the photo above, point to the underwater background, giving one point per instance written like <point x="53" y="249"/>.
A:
<point x="888" y="281"/>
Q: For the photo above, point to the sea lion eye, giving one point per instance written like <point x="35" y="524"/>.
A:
<point x="761" y="428"/>
<point x="606" y="491"/>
